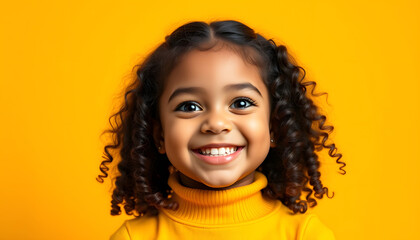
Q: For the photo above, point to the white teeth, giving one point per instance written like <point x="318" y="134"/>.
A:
<point x="223" y="151"/>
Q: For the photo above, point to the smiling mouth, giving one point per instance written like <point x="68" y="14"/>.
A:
<point x="216" y="152"/>
<point x="218" y="155"/>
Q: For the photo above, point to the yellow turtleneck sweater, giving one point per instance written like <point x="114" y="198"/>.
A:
<point x="237" y="213"/>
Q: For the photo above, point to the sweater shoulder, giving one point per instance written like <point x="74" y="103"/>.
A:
<point x="314" y="229"/>
<point x="305" y="226"/>
<point x="140" y="228"/>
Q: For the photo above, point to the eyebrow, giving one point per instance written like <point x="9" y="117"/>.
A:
<point x="199" y="90"/>
<point x="179" y="91"/>
<point x="241" y="86"/>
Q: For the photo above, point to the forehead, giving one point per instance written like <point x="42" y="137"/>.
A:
<point x="214" y="67"/>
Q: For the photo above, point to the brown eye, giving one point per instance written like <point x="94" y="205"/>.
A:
<point x="188" y="107"/>
<point x="242" y="103"/>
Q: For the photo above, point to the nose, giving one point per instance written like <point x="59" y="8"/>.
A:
<point x="216" y="122"/>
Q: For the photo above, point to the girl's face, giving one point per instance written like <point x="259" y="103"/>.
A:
<point x="215" y="119"/>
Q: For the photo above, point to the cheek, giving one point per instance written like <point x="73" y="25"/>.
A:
<point x="177" y="137"/>
<point x="257" y="133"/>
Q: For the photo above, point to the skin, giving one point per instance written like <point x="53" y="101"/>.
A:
<point x="214" y="114"/>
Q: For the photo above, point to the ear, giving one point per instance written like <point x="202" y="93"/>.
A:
<point x="158" y="137"/>
<point x="272" y="141"/>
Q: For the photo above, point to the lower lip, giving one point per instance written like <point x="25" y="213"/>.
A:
<point x="219" y="160"/>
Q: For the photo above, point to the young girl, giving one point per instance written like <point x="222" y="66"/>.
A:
<point x="217" y="139"/>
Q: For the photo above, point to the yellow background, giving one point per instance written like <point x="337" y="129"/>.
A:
<point x="63" y="64"/>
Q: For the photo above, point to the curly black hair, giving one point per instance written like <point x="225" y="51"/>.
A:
<point x="298" y="126"/>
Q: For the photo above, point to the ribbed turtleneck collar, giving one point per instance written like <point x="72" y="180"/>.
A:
<point x="221" y="207"/>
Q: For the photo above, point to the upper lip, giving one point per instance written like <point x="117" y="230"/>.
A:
<point x="218" y="145"/>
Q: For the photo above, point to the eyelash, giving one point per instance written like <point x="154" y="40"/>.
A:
<point x="249" y="100"/>
<point x="185" y="104"/>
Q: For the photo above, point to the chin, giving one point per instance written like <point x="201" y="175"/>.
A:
<point x="219" y="184"/>
<point x="221" y="181"/>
